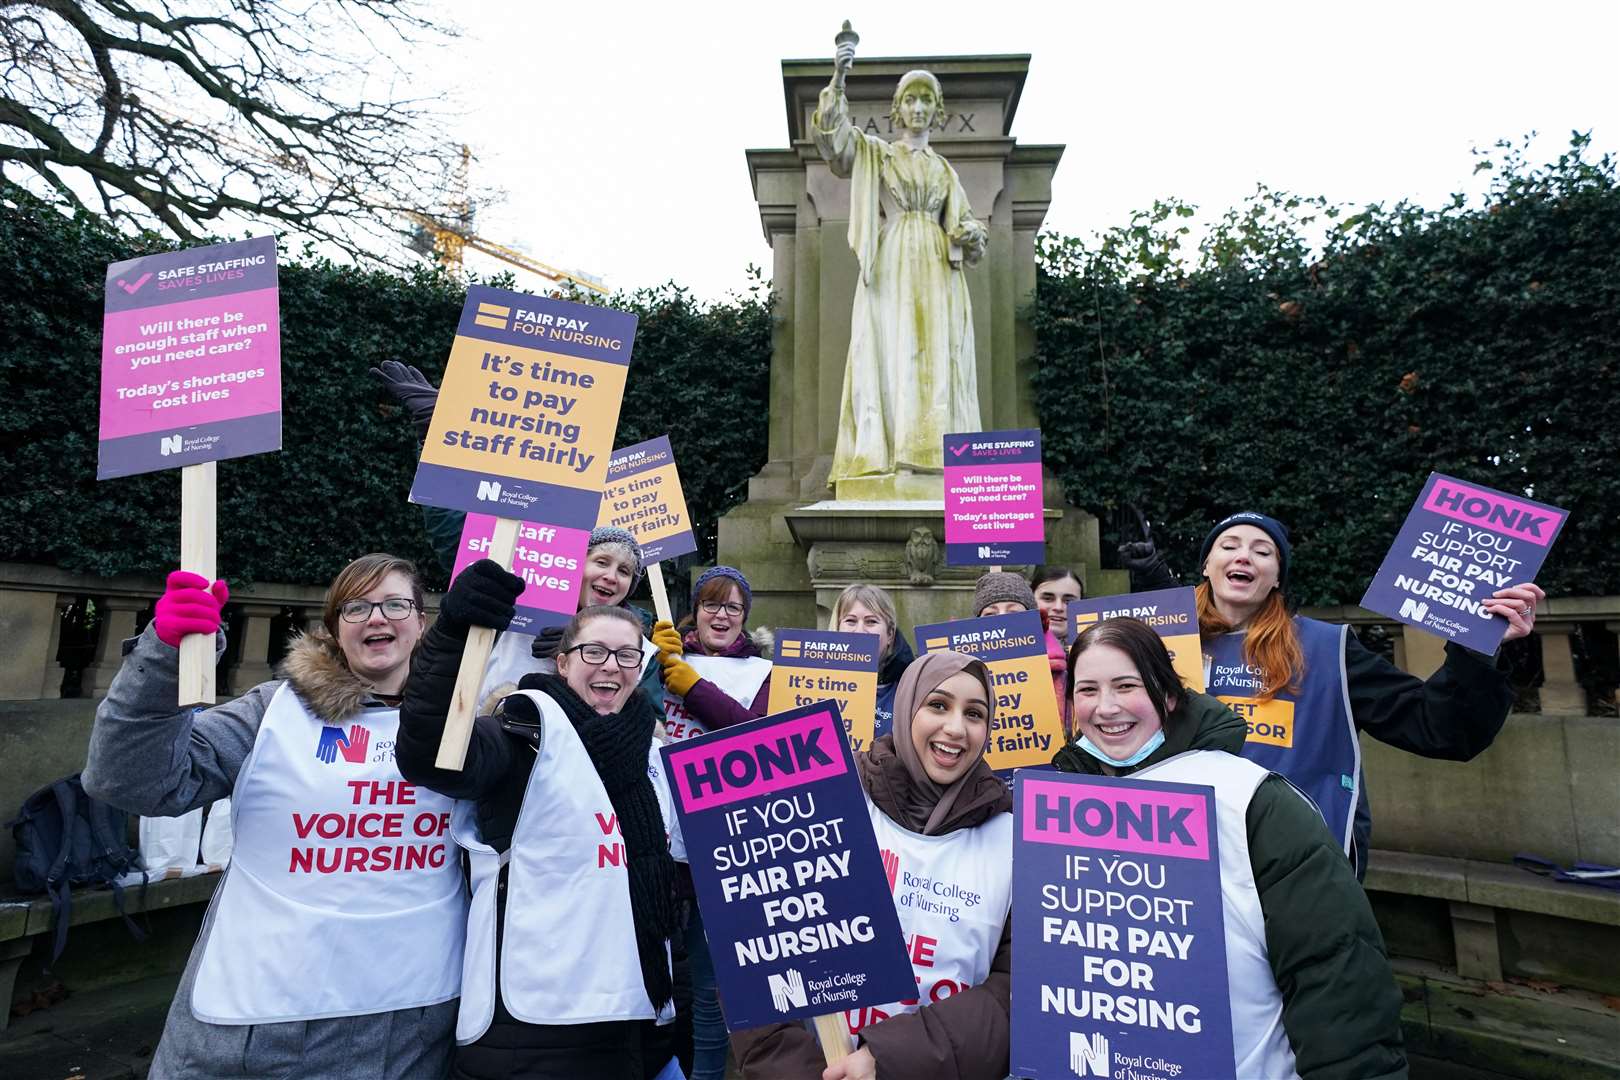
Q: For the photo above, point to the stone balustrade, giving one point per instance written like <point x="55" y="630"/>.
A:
<point x="34" y="600"/>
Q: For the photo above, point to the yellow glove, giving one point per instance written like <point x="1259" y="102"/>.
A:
<point x="678" y="674"/>
<point x="666" y="638"/>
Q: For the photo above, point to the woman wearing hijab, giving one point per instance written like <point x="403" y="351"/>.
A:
<point x="940" y="815"/>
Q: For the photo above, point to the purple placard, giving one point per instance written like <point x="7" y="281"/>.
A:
<point x="190" y="358"/>
<point x="993" y="508"/>
<point x="1460" y="544"/>
<point x="794" y="897"/>
<point x="1119" y="945"/>
<point x="550" y="560"/>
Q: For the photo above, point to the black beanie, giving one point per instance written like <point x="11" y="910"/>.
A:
<point x="1268" y="525"/>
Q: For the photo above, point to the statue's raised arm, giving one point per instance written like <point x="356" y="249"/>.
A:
<point x="911" y="374"/>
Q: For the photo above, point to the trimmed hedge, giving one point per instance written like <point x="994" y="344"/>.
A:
<point x="338" y="488"/>
<point x="1322" y="388"/>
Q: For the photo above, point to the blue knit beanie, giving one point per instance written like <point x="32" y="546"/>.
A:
<point x="1268" y="525"/>
<point x="731" y="573"/>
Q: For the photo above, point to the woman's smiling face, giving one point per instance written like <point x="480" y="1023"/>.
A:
<point x="1111" y="702"/>
<point x="949" y="728"/>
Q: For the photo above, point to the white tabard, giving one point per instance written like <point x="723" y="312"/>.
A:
<point x="569" y="944"/>
<point x="1260" y="1046"/>
<point x="953" y="894"/>
<point x="738" y="677"/>
<point x="344" y="895"/>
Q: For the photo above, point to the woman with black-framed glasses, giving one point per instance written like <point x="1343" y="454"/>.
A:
<point x="571" y="837"/>
<point x="714" y="673"/>
<point x="335" y="876"/>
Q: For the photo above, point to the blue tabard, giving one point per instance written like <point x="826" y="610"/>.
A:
<point x="1308" y="737"/>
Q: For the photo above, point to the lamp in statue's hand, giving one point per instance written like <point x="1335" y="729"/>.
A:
<point x="844" y="55"/>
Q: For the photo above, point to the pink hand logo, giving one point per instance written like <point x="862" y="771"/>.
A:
<point x="355" y="752"/>
<point x="891" y="865"/>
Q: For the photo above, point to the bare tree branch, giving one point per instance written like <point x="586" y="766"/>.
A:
<point x="191" y="115"/>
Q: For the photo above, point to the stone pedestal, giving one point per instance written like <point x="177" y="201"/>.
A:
<point x="118" y="615"/>
<point x="797" y="546"/>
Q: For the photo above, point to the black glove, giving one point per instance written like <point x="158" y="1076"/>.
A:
<point x="547" y="642"/>
<point x="411" y="389"/>
<point x="1139" y="556"/>
<point x="482" y="595"/>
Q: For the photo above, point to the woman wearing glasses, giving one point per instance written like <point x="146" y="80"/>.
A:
<point x="714" y="674"/>
<point x="569" y="828"/>
<point x="336" y="859"/>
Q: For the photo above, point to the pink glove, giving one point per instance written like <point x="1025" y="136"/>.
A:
<point x="189" y="606"/>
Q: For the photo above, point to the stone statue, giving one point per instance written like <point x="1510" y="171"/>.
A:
<point x="922" y="556"/>
<point x="910" y="376"/>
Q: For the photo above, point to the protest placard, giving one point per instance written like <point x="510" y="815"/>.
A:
<point x="644" y="496"/>
<point x="190" y="358"/>
<point x="548" y="558"/>
<point x="522" y="430"/>
<point x="795" y="900"/>
<point x="1119" y="948"/>
<point x="1027" y="728"/>
<point x="191" y="375"/>
<point x="829" y="665"/>
<point x="1460" y="543"/>
<point x="1170" y="613"/>
<point x="993" y="509"/>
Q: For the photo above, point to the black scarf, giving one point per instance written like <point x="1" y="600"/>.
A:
<point x="618" y="745"/>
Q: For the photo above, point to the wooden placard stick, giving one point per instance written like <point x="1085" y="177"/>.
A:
<point x="833" y="1036"/>
<point x="198" y="506"/>
<point x="480" y="641"/>
<point x="655" y="581"/>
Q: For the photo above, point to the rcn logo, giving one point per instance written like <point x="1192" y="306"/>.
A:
<point x="787" y="990"/>
<point x="334" y="741"/>
<point x="169" y="444"/>
<point x="1416" y="610"/>
<point x="489" y="490"/>
<point x="891" y="865"/>
<point x="1088" y="1055"/>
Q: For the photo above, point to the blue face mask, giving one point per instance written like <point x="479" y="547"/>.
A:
<point x="1135" y="759"/>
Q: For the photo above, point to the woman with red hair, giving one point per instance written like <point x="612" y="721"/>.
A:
<point x="1306" y="688"/>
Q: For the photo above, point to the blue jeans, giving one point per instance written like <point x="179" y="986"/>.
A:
<point x="710" y="1044"/>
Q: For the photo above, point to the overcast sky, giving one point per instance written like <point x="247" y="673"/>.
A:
<point x="618" y="131"/>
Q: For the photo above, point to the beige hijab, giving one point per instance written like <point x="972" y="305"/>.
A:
<point x="928" y="805"/>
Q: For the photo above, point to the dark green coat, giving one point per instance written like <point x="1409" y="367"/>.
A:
<point x="1341" y="1007"/>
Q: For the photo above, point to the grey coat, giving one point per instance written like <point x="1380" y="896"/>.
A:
<point x="150" y="758"/>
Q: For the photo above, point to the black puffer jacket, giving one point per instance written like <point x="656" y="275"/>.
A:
<point x="500" y="758"/>
<point x="1341" y="1008"/>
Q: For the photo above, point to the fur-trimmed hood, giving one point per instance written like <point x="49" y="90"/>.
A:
<point x="314" y="665"/>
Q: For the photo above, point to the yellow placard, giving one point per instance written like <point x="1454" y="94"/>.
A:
<point x="518" y="412"/>
<point x="827" y="665"/>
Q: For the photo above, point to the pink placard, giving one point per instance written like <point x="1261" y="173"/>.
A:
<point x="1115" y="818"/>
<point x="191" y="362"/>
<point x="758" y="762"/>
<point x="1494" y="511"/>
<point x="549" y="559"/>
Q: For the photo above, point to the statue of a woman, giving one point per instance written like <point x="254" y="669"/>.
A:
<point x="910" y="376"/>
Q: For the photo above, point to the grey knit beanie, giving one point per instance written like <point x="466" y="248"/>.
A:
<point x="997" y="586"/>
<point x="612" y="534"/>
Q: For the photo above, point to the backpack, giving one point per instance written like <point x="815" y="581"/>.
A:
<point x="66" y="839"/>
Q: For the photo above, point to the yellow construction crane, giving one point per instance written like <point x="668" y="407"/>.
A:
<point x="448" y="240"/>
<point x="451" y="238"/>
